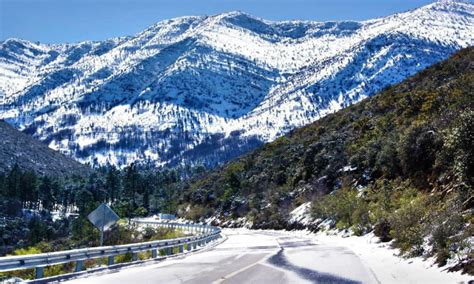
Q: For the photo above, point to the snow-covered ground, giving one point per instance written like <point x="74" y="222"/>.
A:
<point x="384" y="261"/>
<point x="263" y="256"/>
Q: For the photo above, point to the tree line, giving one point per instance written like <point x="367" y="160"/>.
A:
<point x="36" y="208"/>
<point x="132" y="191"/>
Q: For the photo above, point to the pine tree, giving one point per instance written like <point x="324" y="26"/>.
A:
<point x="45" y="193"/>
<point x="131" y="183"/>
<point x="28" y="184"/>
<point x="112" y="184"/>
<point x="13" y="182"/>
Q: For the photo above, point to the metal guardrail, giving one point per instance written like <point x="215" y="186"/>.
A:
<point x="204" y="235"/>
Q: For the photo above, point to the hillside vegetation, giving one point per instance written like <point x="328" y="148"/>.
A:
<point x="400" y="164"/>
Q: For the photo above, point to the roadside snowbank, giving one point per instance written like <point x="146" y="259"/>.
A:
<point x="379" y="257"/>
<point x="384" y="261"/>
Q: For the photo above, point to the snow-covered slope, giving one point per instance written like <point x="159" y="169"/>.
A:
<point x="205" y="89"/>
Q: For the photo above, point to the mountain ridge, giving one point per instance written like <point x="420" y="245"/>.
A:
<point x="19" y="149"/>
<point x="184" y="82"/>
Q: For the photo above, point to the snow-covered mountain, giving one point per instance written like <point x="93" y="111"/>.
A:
<point x="205" y="89"/>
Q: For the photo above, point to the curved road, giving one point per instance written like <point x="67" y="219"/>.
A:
<point x="250" y="257"/>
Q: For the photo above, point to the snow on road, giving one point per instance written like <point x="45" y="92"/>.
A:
<point x="385" y="262"/>
<point x="284" y="257"/>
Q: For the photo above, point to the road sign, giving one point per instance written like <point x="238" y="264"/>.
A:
<point x="166" y="216"/>
<point x="103" y="218"/>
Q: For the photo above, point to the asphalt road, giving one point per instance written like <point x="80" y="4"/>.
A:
<point x="251" y="257"/>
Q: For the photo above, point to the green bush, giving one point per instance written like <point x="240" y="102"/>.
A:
<point x="360" y="219"/>
<point x="345" y="208"/>
<point x="418" y="149"/>
<point x="446" y="224"/>
<point x="24" y="273"/>
<point x="123" y="258"/>
<point x="382" y="230"/>
<point x="407" y="224"/>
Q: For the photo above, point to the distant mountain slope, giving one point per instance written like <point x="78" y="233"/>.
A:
<point x="29" y="154"/>
<point x="206" y="89"/>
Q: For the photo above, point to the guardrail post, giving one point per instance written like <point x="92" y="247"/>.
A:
<point x="39" y="272"/>
<point x="203" y="234"/>
<point x="110" y="260"/>
<point x="79" y="266"/>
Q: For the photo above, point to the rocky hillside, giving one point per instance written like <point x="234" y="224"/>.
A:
<point x="206" y="89"/>
<point x="17" y="148"/>
<point x="400" y="164"/>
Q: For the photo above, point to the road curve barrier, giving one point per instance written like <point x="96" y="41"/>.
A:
<point x="202" y="236"/>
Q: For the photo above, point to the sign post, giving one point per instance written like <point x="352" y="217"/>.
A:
<point x="103" y="217"/>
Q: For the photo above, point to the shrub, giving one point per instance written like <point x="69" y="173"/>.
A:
<point x="461" y="143"/>
<point x="382" y="230"/>
<point x="24" y="273"/>
<point x="140" y="212"/>
<point x="345" y="208"/>
<point x="407" y="228"/>
<point x="418" y="149"/>
<point x="446" y="224"/>
<point x="195" y="213"/>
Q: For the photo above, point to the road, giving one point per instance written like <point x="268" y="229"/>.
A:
<point x="251" y="257"/>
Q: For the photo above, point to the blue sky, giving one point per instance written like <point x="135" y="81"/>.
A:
<point x="56" y="21"/>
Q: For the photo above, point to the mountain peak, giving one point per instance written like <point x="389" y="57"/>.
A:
<point x="235" y="13"/>
<point x="239" y="18"/>
<point x="451" y="4"/>
<point x="16" y="41"/>
<point x="454" y="1"/>
<point x="190" y="85"/>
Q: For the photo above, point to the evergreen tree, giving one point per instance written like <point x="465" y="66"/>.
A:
<point x="131" y="184"/>
<point x="85" y="202"/>
<point x="28" y="184"/>
<point x="2" y="186"/>
<point x="96" y="186"/>
<point x="112" y="184"/>
<point x="45" y="193"/>
<point x="13" y="182"/>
